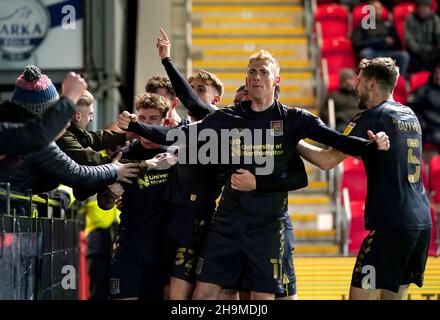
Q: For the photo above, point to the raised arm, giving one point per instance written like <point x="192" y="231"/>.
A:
<point x="184" y="92"/>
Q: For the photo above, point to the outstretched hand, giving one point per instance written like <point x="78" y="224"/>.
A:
<point x="381" y="139"/>
<point x="125" y="171"/>
<point x="162" y="161"/>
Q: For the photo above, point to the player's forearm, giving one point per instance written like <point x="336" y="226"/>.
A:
<point x="350" y="145"/>
<point x="156" y="134"/>
<point x="323" y="158"/>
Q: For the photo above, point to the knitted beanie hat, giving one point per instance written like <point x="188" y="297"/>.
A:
<point x="34" y="91"/>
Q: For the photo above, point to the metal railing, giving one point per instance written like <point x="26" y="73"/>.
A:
<point x="39" y="248"/>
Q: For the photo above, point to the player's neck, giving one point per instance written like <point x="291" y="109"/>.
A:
<point x="377" y="100"/>
<point x="260" y="105"/>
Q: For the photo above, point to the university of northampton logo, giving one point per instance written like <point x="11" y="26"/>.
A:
<point x="276" y="128"/>
<point x="23" y="27"/>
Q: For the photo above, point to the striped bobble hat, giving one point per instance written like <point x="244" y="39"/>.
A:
<point x="34" y="91"/>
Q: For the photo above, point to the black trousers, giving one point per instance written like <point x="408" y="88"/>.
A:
<point x="98" y="255"/>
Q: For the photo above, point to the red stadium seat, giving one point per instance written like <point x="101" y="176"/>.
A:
<point x="357" y="232"/>
<point x="333" y="19"/>
<point x="418" y="79"/>
<point x="354" y="178"/>
<point x="434" y="178"/>
<point x="400" y="11"/>
<point x="401" y="92"/>
<point x="333" y="82"/>
<point x="339" y="54"/>
<point x="358" y="15"/>
<point x="433" y="247"/>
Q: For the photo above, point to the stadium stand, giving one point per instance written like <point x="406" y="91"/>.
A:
<point x="400" y="11"/>
<point x="333" y="19"/>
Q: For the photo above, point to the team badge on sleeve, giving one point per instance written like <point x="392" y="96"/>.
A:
<point x="349" y="128"/>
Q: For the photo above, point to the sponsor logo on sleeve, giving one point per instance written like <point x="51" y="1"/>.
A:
<point x="349" y="128"/>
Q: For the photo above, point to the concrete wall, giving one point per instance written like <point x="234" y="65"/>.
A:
<point x="152" y="15"/>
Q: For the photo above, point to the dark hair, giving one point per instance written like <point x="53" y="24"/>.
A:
<point x="423" y="3"/>
<point x="383" y="70"/>
<point x="431" y="74"/>
<point x="157" y="82"/>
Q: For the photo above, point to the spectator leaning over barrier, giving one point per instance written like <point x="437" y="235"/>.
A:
<point x="422" y="36"/>
<point x="20" y="138"/>
<point x="44" y="170"/>
<point x="84" y="147"/>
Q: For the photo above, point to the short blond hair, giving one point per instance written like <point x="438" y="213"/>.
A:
<point x="265" y="56"/>
<point x="86" y="100"/>
<point x="209" y="79"/>
<point x="152" y="101"/>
